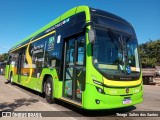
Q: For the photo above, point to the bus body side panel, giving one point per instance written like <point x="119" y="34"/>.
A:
<point x="32" y="83"/>
<point x="7" y="72"/>
<point x="37" y="83"/>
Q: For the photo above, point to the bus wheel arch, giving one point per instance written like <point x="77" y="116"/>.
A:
<point x="48" y="88"/>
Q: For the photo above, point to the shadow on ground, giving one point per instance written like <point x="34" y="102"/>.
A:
<point x="78" y="112"/>
<point x="6" y="82"/>
<point x="16" y="104"/>
<point x="73" y="110"/>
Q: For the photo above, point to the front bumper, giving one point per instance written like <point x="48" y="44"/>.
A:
<point x="106" y="101"/>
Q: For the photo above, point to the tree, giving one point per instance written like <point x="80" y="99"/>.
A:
<point x="3" y="57"/>
<point x="150" y="53"/>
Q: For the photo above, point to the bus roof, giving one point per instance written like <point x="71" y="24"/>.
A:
<point x="56" y="21"/>
<point x="66" y="15"/>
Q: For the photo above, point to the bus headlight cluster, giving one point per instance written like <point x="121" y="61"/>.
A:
<point x="96" y="82"/>
<point x="100" y="90"/>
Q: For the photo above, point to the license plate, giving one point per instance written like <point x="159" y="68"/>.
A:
<point x="126" y="101"/>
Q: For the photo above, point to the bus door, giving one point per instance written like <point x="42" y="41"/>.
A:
<point x="19" y="66"/>
<point x="74" y="68"/>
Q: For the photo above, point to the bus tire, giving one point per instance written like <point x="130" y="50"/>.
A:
<point x="49" y="90"/>
<point x="11" y="79"/>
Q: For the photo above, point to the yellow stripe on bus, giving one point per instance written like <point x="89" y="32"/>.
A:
<point x="34" y="40"/>
<point x="43" y="36"/>
<point x="121" y="83"/>
<point x="29" y="60"/>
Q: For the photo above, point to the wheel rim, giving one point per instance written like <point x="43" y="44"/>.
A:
<point x="48" y="89"/>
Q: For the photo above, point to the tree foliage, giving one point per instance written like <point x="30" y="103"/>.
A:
<point x="150" y="53"/>
<point x="3" y="57"/>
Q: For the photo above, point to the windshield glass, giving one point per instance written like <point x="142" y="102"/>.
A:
<point x="115" y="55"/>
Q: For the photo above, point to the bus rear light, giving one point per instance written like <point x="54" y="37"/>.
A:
<point x="78" y="91"/>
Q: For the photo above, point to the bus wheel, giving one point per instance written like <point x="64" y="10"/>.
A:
<point x="11" y="79"/>
<point x="49" y="90"/>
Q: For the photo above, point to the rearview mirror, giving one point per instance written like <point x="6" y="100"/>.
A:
<point x="91" y="34"/>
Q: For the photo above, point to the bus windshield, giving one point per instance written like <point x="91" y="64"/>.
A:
<point x="116" y="55"/>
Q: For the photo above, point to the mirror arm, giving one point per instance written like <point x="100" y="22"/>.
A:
<point x="87" y="24"/>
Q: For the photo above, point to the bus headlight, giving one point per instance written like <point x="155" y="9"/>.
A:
<point x="97" y="101"/>
<point x="100" y="90"/>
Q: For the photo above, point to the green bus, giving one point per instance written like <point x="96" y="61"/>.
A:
<point x="86" y="57"/>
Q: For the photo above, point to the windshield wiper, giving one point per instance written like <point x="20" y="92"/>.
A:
<point x="122" y="41"/>
<point x="113" y="37"/>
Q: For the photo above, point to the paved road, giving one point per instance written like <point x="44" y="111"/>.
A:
<point x="17" y="98"/>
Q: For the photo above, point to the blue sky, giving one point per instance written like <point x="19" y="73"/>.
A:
<point x="20" y="18"/>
